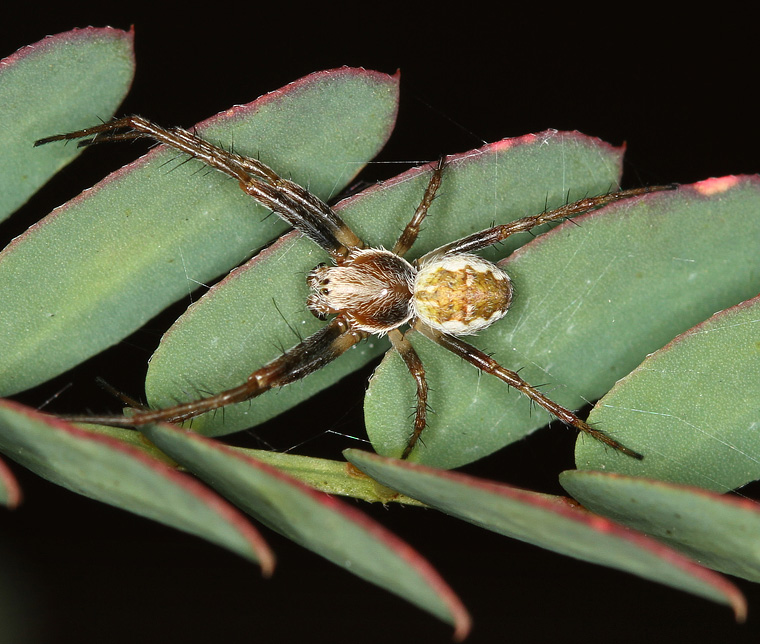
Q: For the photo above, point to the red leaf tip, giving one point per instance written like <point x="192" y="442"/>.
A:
<point x="709" y="187"/>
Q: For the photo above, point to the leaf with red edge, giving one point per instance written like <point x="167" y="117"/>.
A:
<point x="10" y="492"/>
<point x="476" y="415"/>
<point x="63" y="82"/>
<point x="551" y="522"/>
<point x="315" y="520"/>
<point x="692" y="407"/>
<point x="244" y="321"/>
<point x="108" y="470"/>
<point x="592" y="298"/>
<point x="103" y="264"/>
<point x="719" y="531"/>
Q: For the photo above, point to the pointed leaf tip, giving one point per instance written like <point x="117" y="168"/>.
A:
<point x="109" y="470"/>
<point x="10" y="492"/>
<point x="549" y="522"/>
<point x="319" y="522"/>
<point x="87" y="71"/>
<point x="718" y="530"/>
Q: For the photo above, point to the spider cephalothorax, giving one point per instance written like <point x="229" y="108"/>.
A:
<point x="447" y="293"/>
<point x="372" y="288"/>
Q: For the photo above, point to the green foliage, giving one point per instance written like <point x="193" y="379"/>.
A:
<point x="239" y="325"/>
<point x="127" y="249"/>
<point x="692" y="406"/>
<point x="594" y="297"/>
<point x="109" y="470"/>
<point x="550" y="522"/>
<point x="65" y="81"/>
<point x="719" y="531"/>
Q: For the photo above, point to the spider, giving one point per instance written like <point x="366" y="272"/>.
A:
<point x="445" y="294"/>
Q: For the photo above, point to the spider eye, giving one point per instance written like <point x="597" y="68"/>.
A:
<point x="461" y="294"/>
<point x="316" y="276"/>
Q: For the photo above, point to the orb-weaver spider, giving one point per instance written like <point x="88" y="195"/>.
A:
<point x="446" y="293"/>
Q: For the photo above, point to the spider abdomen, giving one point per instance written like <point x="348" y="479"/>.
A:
<point x="373" y="288"/>
<point x="461" y="294"/>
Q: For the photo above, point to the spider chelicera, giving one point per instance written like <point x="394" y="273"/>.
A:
<point x="447" y="293"/>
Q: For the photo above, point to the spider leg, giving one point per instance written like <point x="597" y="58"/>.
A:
<point x="290" y="201"/>
<point x="491" y="236"/>
<point x="488" y="365"/>
<point x="409" y="236"/>
<point x="308" y="356"/>
<point x="124" y="398"/>
<point x="307" y="213"/>
<point x="414" y="364"/>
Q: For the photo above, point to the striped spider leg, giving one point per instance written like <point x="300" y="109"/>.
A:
<point x="465" y="315"/>
<point x="447" y="293"/>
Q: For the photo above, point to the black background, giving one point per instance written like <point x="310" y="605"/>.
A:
<point x="678" y="89"/>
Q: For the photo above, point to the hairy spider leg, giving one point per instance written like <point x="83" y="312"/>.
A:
<point x="416" y="368"/>
<point x="291" y="202"/>
<point x="489" y="237"/>
<point x="496" y="234"/>
<point x="409" y="235"/>
<point x="488" y="365"/>
<point x="398" y="339"/>
<point x="308" y="356"/>
<point x="305" y="212"/>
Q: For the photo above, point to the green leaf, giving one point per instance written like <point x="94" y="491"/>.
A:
<point x="242" y="323"/>
<point x="10" y="492"/>
<point x="333" y="477"/>
<point x="67" y="81"/>
<point x="246" y="320"/>
<point x="99" y="267"/>
<point x="332" y="529"/>
<point x="692" y="408"/>
<point x="108" y="470"/>
<point x="718" y="531"/>
<point x="549" y="522"/>
<point x="593" y="298"/>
